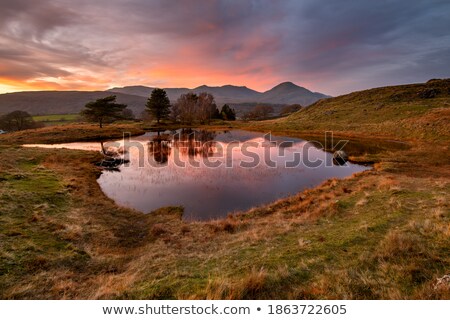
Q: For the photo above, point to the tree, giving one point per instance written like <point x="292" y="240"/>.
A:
<point x="259" y="112"/>
<point x="127" y="114"/>
<point x="187" y="107"/>
<point x="227" y="113"/>
<point x="17" y="120"/>
<point x="174" y="113"/>
<point x="158" y="105"/>
<point x="103" y="110"/>
<point x="288" y="109"/>
<point x="206" y="108"/>
<point x="191" y="108"/>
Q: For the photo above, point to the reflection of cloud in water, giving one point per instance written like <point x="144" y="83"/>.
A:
<point x="209" y="192"/>
<point x="212" y="192"/>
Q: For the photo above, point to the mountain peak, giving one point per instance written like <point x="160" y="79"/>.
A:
<point x="287" y="85"/>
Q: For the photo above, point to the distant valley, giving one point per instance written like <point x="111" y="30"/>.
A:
<point x="241" y="98"/>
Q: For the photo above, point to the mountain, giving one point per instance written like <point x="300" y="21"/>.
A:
<point x="223" y="94"/>
<point x="142" y="91"/>
<point x="407" y="112"/>
<point x="239" y="97"/>
<point x="284" y="93"/>
<point x="289" y="93"/>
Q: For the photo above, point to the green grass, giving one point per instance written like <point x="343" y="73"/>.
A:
<point x="57" y="119"/>
<point x="31" y="200"/>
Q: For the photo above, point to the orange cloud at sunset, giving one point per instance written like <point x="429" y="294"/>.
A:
<point x="56" y="45"/>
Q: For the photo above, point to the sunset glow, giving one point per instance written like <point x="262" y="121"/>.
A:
<point x="57" y="45"/>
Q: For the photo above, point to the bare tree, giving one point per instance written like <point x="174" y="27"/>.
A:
<point x="206" y="108"/>
<point x="259" y="112"/>
<point x="174" y="115"/>
<point x="187" y="106"/>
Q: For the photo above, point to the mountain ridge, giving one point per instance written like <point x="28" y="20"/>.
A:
<point x="240" y="97"/>
<point x="283" y="93"/>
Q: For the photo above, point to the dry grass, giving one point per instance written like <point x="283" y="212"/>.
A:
<point x="377" y="234"/>
<point x="70" y="133"/>
<point x="396" y="112"/>
<point x="380" y="234"/>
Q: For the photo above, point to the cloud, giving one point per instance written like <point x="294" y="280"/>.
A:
<point x="329" y="46"/>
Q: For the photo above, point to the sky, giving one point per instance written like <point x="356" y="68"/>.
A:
<point x="329" y="46"/>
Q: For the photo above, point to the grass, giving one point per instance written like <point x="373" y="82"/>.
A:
<point x="379" y="234"/>
<point x="398" y="112"/>
<point x="57" y="119"/>
<point x="71" y="133"/>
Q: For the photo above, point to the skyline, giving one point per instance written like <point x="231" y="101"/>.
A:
<point x="325" y="46"/>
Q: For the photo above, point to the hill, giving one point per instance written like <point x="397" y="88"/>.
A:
<point x="62" y="102"/>
<point x="290" y="93"/>
<point x="282" y="94"/>
<point x="67" y="102"/>
<point x="405" y="111"/>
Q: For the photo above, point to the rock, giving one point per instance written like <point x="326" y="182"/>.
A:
<point x="340" y="157"/>
<point x="109" y="163"/>
<point x="442" y="282"/>
<point x="428" y="93"/>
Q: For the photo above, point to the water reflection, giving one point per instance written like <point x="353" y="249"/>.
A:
<point x="210" y="173"/>
<point x="203" y="171"/>
<point x="159" y="148"/>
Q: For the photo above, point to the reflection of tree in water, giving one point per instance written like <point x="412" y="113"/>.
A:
<point x="160" y="148"/>
<point x="113" y="158"/>
<point x="195" y="142"/>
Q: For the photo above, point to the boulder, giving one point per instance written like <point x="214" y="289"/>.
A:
<point x="340" y="157"/>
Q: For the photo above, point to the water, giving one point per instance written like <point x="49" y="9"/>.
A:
<point x="256" y="171"/>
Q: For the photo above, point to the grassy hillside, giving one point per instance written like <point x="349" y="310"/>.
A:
<point x="70" y="102"/>
<point x="379" y="234"/>
<point x="416" y="111"/>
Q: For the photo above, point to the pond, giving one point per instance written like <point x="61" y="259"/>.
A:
<point x="210" y="173"/>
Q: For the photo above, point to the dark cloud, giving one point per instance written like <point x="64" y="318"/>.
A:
<point x="330" y="46"/>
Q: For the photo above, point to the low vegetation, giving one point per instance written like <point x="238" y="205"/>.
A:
<point x="380" y="234"/>
<point x="259" y="112"/>
<point x="57" y="119"/>
<point x="17" y="120"/>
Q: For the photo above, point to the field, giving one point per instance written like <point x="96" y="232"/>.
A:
<point x="380" y="234"/>
<point x="57" y="119"/>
